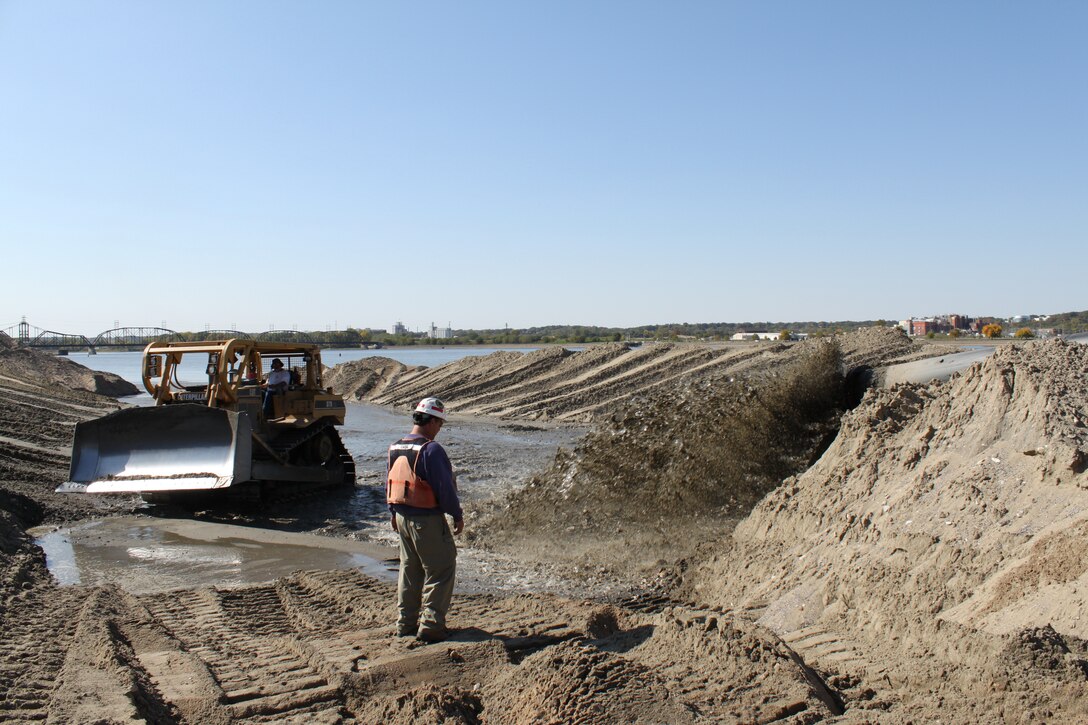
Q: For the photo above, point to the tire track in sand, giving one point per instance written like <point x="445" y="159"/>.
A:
<point x="34" y="645"/>
<point x="245" y="638"/>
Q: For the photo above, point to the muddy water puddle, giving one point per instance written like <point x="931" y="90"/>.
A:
<point x="144" y="555"/>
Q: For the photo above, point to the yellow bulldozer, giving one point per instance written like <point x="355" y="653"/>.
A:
<point x="216" y="429"/>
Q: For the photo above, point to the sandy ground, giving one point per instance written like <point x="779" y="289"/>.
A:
<point x="796" y="555"/>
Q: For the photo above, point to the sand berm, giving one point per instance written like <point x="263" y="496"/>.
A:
<point x="800" y="550"/>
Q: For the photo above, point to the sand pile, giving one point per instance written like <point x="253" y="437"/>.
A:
<point x="550" y="385"/>
<point x="581" y="387"/>
<point x="53" y="370"/>
<point x="939" y="548"/>
<point x="42" y="397"/>
<point x="366" y="378"/>
<point x="880" y="346"/>
<point x="693" y="455"/>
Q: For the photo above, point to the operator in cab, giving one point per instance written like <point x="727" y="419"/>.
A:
<point x="277" y="382"/>
<point x="421" y="491"/>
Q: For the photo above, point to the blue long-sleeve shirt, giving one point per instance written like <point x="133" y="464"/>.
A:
<point x="435" y="468"/>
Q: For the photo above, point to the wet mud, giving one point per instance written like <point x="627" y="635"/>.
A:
<point x="145" y="555"/>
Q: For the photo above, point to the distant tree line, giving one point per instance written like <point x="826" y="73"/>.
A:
<point x="585" y="334"/>
<point x="1067" y="322"/>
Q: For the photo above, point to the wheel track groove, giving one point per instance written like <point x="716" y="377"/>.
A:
<point x="33" y="642"/>
<point x="247" y="640"/>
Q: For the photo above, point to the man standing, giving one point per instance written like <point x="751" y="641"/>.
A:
<point x="420" y="489"/>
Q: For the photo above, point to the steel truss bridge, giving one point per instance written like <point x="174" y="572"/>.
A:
<point x="24" y="334"/>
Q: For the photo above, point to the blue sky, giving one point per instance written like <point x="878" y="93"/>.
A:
<point x="326" y="164"/>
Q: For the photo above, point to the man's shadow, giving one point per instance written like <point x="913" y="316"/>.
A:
<point x="521" y="647"/>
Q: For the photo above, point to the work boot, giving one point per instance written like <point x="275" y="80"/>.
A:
<point x="406" y="631"/>
<point x="429" y="635"/>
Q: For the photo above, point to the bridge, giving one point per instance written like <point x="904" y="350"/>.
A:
<point x="23" y="334"/>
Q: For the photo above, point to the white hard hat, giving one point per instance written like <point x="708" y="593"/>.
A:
<point x="433" y="407"/>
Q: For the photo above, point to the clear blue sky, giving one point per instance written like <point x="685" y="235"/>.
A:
<point x="320" y="164"/>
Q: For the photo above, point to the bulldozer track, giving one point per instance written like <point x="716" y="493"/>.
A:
<point x="263" y="676"/>
<point x="291" y="441"/>
<point x="288" y="441"/>
<point x="822" y="646"/>
<point x="24" y="695"/>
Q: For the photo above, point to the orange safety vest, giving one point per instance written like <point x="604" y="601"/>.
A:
<point x="403" y="485"/>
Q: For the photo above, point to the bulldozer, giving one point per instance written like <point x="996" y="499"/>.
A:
<point x="214" y="431"/>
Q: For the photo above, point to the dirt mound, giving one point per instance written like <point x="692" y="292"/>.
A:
<point x="363" y="379"/>
<point x="54" y="370"/>
<point x="429" y="704"/>
<point x="878" y="346"/>
<point x="572" y="683"/>
<point x="944" y="519"/>
<point x="41" y="399"/>
<point x="551" y="384"/>
<point x="693" y="455"/>
<point x="561" y="386"/>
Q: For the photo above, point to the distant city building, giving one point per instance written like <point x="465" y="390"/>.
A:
<point x="398" y="328"/>
<point x="440" y="333"/>
<point x="959" y="322"/>
<point x="922" y="326"/>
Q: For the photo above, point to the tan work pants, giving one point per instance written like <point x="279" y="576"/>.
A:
<point x="428" y="563"/>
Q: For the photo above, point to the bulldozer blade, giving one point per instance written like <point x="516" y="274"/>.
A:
<point x="165" y="448"/>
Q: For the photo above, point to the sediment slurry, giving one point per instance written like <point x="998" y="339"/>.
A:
<point x="917" y="558"/>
